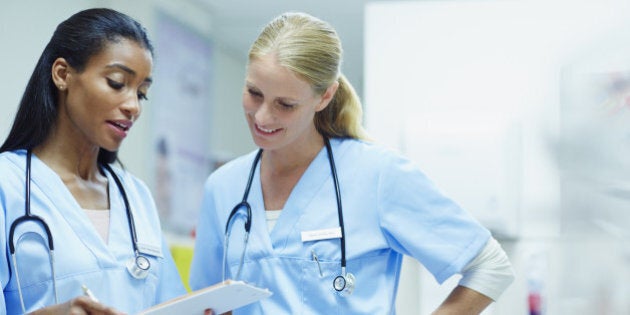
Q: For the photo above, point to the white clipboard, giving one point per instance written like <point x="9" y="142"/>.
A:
<point x="221" y="297"/>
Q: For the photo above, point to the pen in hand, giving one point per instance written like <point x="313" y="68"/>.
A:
<point x="88" y="293"/>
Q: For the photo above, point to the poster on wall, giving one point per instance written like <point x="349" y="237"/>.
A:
<point x="181" y="111"/>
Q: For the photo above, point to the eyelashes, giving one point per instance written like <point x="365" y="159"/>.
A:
<point x="115" y="84"/>
<point x="259" y="96"/>
<point x="119" y="86"/>
<point x="254" y="93"/>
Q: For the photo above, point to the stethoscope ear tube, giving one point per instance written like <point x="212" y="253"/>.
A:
<point x="27" y="210"/>
<point x="29" y="217"/>
<point x="248" y="224"/>
<point x="248" y="220"/>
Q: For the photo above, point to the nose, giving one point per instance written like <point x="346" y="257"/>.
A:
<point x="131" y="107"/>
<point x="264" y="114"/>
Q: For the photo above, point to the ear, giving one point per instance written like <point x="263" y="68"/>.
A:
<point x="327" y="96"/>
<point x="60" y="73"/>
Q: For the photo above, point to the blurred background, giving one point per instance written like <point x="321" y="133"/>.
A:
<point x="517" y="109"/>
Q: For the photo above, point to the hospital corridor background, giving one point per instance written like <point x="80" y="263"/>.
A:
<point x="519" y="110"/>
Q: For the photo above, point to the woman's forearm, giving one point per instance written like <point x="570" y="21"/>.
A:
<point x="463" y="301"/>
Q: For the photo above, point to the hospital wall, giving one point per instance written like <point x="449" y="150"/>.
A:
<point x="519" y="111"/>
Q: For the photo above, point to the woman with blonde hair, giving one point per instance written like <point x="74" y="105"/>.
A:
<point x="326" y="216"/>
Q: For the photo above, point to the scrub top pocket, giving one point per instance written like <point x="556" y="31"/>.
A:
<point x="317" y="288"/>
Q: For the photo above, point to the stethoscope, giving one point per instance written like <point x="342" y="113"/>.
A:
<point x="343" y="282"/>
<point x="138" y="266"/>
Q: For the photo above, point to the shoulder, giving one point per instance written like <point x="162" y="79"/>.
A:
<point x="12" y="158"/>
<point x="376" y="163"/>
<point x="12" y="180"/>
<point x="129" y="181"/>
<point x="236" y="168"/>
<point x="366" y="153"/>
<point x="12" y="165"/>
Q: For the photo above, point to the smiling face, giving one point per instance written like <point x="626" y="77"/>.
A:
<point x="98" y="105"/>
<point x="279" y="106"/>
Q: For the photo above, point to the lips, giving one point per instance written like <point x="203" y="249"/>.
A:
<point x="120" y="128"/>
<point x="123" y="125"/>
<point x="266" y="131"/>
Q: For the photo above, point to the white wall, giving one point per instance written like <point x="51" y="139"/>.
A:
<point x="26" y="26"/>
<point x="471" y="90"/>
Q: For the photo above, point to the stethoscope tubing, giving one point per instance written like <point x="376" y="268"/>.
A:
<point x="131" y="222"/>
<point x="246" y="205"/>
<point x="140" y="269"/>
<point x="333" y="170"/>
<point x="248" y="220"/>
<point x="27" y="212"/>
<point x="30" y="217"/>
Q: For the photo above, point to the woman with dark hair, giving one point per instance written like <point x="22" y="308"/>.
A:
<point x="70" y="220"/>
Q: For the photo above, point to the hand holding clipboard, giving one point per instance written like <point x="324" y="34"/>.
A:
<point x="221" y="297"/>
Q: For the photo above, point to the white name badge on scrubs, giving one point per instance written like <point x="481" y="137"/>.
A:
<point x="323" y="234"/>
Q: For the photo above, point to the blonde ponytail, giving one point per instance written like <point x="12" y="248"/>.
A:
<point x="343" y="116"/>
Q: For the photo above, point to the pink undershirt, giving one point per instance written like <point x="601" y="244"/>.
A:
<point x="100" y="220"/>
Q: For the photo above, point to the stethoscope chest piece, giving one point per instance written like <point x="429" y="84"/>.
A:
<point x="344" y="283"/>
<point x="138" y="266"/>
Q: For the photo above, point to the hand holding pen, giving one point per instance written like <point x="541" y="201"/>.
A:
<point x="88" y="293"/>
<point x="86" y="304"/>
<point x="81" y="305"/>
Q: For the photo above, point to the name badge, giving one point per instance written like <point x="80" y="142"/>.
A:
<point x="324" y="234"/>
<point x="150" y="249"/>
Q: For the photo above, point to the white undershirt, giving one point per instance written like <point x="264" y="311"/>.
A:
<point x="272" y="217"/>
<point x="100" y="220"/>
<point x="490" y="272"/>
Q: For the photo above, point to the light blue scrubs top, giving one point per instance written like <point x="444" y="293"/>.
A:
<point x="81" y="256"/>
<point x="390" y="209"/>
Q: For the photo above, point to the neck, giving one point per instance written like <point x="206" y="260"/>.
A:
<point x="298" y="157"/>
<point x="67" y="159"/>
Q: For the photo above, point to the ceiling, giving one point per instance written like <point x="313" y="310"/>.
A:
<point x="237" y="23"/>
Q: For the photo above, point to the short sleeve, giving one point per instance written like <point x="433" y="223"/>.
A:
<point x="419" y="221"/>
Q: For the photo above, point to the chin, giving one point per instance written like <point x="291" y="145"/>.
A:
<point x="261" y="144"/>
<point x="265" y="145"/>
<point x="110" y="147"/>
